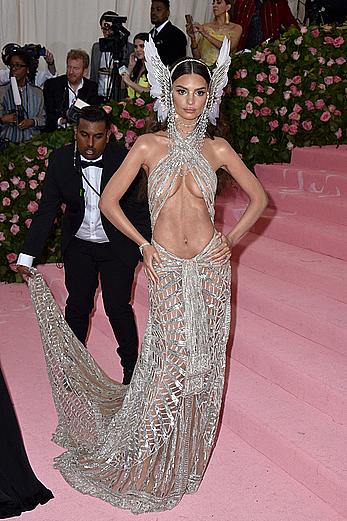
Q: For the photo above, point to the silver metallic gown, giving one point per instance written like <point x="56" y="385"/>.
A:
<point x="143" y="446"/>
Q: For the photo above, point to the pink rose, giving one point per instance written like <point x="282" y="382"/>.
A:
<point x="6" y="201"/>
<point x="312" y="50"/>
<point x="32" y="207"/>
<point x="130" y="136"/>
<point x="298" y="41"/>
<point x="2" y="217"/>
<point x="256" y="113"/>
<point x="36" y="168"/>
<point x="338" y="41"/>
<point x="337" y="79"/>
<point x="307" y="125"/>
<point x="42" y="151"/>
<point x="295" y="55"/>
<point x="11" y="166"/>
<point x="321" y="60"/>
<point x="303" y="29"/>
<point x="243" y="73"/>
<point x="329" y="80"/>
<point x="241" y="91"/>
<point x="27" y="222"/>
<point x="2" y="236"/>
<point x="249" y="108"/>
<point x="285" y="127"/>
<point x="11" y="257"/>
<point x="149" y="106"/>
<point x="259" y="88"/>
<point x="288" y="82"/>
<point x="273" y="124"/>
<point x="330" y="62"/>
<point x="313" y="85"/>
<point x="297" y="80"/>
<point x="282" y="47"/>
<point x="243" y="114"/>
<point x="15" y="180"/>
<point x="107" y="109"/>
<point x="309" y="105"/>
<point x="283" y="111"/>
<point x="332" y="108"/>
<point x="273" y="78"/>
<point x="293" y="129"/>
<point x="14" y="229"/>
<point x="259" y="57"/>
<point x="29" y="172"/>
<point x="265" y="111"/>
<point x="321" y="86"/>
<point x="329" y="40"/>
<point x="21" y="185"/>
<point x="14" y="194"/>
<point x="297" y="108"/>
<point x="270" y="90"/>
<point x="286" y="94"/>
<point x="46" y="163"/>
<point x="41" y="176"/>
<point x="315" y="33"/>
<point x="295" y="91"/>
<point x="237" y="75"/>
<point x="338" y="133"/>
<point x="271" y="59"/>
<point x="33" y="184"/>
<point x="258" y="100"/>
<point x="319" y="104"/>
<point x="139" y="102"/>
<point x="38" y="195"/>
<point x="261" y="76"/>
<point x="325" y="116"/>
<point x="294" y="116"/>
<point x="14" y="219"/>
<point x="254" y="139"/>
<point x="273" y="141"/>
<point x="337" y="113"/>
<point x="124" y="114"/>
<point x="340" y="60"/>
<point x="140" y="123"/>
<point x="4" y="185"/>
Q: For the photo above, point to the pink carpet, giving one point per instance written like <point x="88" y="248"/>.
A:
<point x="281" y="454"/>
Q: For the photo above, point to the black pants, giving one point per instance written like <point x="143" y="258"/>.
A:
<point x="84" y="261"/>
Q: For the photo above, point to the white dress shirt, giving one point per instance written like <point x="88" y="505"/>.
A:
<point x="159" y="28"/>
<point x="73" y="95"/>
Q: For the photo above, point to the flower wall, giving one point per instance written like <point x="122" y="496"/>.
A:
<point x="290" y="93"/>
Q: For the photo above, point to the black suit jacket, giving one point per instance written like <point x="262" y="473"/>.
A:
<point x="171" y="43"/>
<point x="63" y="184"/>
<point x="56" y="94"/>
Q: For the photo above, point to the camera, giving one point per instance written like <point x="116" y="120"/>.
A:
<point x="33" y="51"/>
<point x="115" y="43"/>
<point x="74" y="112"/>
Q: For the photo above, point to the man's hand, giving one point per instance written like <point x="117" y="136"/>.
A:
<point x="9" y="118"/>
<point x="26" y="123"/>
<point x="24" y="271"/>
<point x="49" y="58"/>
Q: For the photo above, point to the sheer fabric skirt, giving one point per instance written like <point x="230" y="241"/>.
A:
<point x="142" y="446"/>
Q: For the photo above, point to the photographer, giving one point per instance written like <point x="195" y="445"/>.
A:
<point x="35" y="77"/>
<point x="61" y="92"/>
<point x="21" y="123"/>
<point x="101" y="68"/>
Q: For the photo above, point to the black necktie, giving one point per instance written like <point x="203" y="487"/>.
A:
<point x="97" y="164"/>
<point x="155" y="33"/>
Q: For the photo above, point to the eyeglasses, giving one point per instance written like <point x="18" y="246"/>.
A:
<point x="17" y="66"/>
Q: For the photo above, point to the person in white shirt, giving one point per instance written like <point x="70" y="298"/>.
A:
<point x="40" y="76"/>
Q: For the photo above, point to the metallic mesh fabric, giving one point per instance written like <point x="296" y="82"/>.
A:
<point x="143" y="446"/>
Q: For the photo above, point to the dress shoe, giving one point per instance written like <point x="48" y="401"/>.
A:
<point x="127" y="374"/>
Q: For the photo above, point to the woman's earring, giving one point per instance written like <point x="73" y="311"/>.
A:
<point x="227" y="18"/>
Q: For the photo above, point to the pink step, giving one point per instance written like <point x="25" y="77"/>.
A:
<point x="306" y="313"/>
<point x="326" y="157"/>
<point x="324" y="182"/>
<point x="301" y="440"/>
<point x="307" y="370"/>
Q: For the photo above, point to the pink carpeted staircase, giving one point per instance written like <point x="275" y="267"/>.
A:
<point x="281" y="453"/>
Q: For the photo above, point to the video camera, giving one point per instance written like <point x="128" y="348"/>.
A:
<point x="118" y="40"/>
<point x="34" y="51"/>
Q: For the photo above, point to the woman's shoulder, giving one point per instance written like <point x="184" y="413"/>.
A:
<point x="149" y="140"/>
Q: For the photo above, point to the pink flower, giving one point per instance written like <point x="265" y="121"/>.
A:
<point x="288" y="82"/>
<point x="38" y="195"/>
<point x="294" y="116"/>
<point x="295" y="55"/>
<point x="312" y="50"/>
<point x="285" y="127"/>
<point x="338" y="133"/>
<point x="114" y="129"/>
<point x="329" y="80"/>
<point x="107" y="108"/>
<point x="297" y="108"/>
<point x="337" y="113"/>
<point x="124" y="114"/>
<point x="41" y="176"/>
<point x="11" y="166"/>
<point x="307" y="125"/>
<point x="2" y="217"/>
<point x="271" y="59"/>
<point x="139" y="102"/>
<point x="332" y="108"/>
<point x="273" y="78"/>
<point x="325" y="116"/>
<point x="237" y="75"/>
<point x="140" y="123"/>
<point x="15" y="180"/>
<point x="243" y="114"/>
<point x="298" y="41"/>
<point x="303" y="29"/>
<point x="241" y="91"/>
<point x="32" y="207"/>
<point x="297" y="80"/>
<point x="259" y="88"/>
<point x="256" y="113"/>
<point x="11" y="257"/>
<point x="29" y="172"/>
<point x="254" y="139"/>
<point x="14" y="194"/>
<point x="2" y="236"/>
<point x="321" y="86"/>
<point x="321" y="60"/>
<point x="273" y="124"/>
<point x="46" y="163"/>
<point x="265" y="111"/>
<point x="4" y="185"/>
<point x="313" y="85"/>
<point x="330" y="62"/>
<point x="36" y="168"/>
<point x="270" y="90"/>
<point x="258" y="100"/>
<point x="319" y="104"/>
<point x="295" y="91"/>
<point x="315" y="33"/>
<point x="243" y="73"/>
<point x="21" y="185"/>
<point x="14" y="219"/>
<point x="282" y="47"/>
<point x="6" y="201"/>
<point x="273" y="141"/>
<point x="337" y="79"/>
<point x="149" y="106"/>
<point x="27" y="222"/>
<point x="286" y="94"/>
<point x="130" y="136"/>
<point x="283" y="111"/>
<point x="309" y="105"/>
<point x="340" y="60"/>
<point x="338" y="41"/>
<point x="42" y="151"/>
<point x="33" y="184"/>
<point x="259" y="57"/>
<point x="261" y="76"/>
<point x="329" y="40"/>
<point x="249" y="108"/>
<point x="14" y="229"/>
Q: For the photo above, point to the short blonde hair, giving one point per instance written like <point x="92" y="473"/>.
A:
<point x="78" y="54"/>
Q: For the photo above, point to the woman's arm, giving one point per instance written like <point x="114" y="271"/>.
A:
<point x="234" y="36"/>
<point x="130" y="83"/>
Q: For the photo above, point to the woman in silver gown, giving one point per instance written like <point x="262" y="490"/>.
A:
<point x="143" y="446"/>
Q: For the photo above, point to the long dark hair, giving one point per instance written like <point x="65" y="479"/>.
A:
<point x="140" y="64"/>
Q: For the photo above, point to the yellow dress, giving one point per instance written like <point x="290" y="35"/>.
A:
<point x="143" y="82"/>
<point x="208" y="52"/>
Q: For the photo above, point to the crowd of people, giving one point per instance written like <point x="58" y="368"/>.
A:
<point x="118" y="71"/>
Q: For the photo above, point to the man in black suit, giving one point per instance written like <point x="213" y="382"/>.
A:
<point x="61" y="92"/>
<point x="91" y="245"/>
<point x="170" y="41"/>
